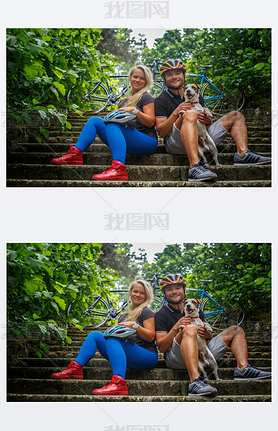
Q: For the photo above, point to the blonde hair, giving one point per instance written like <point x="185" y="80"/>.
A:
<point x="133" y="100"/>
<point x="149" y="297"/>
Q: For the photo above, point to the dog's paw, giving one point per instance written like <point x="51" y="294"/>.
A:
<point x="181" y="113"/>
<point x="181" y="327"/>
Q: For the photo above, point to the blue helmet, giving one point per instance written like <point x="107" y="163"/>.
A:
<point x="121" y="117"/>
<point x="121" y="331"/>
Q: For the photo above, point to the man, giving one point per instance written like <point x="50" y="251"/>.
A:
<point x="180" y="133"/>
<point x="180" y="347"/>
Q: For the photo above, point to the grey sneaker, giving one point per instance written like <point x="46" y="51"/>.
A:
<point x="199" y="172"/>
<point x="200" y="387"/>
<point x="250" y="158"/>
<point x="250" y="373"/>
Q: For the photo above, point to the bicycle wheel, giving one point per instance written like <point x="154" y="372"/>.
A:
<point x="96" y="99"/>
<point x="157" y="303"/>
<point x="223" y="315"/>
<point x="97" y="313"/>
<point x="223" y="98"/>
<point x="156" y="89"/>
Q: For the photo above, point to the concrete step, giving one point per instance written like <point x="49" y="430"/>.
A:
<point x="104" y="373"/>
<point x="72" y="183"/>
<point x="140" y="387"/>
<point x="94" y="398"/>
<point x="131" y="159"/>
<point x="135" y="173"/>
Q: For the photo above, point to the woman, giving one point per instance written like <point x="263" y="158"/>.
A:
<point x="142" y="354"/>
<point x="121" y="139"/>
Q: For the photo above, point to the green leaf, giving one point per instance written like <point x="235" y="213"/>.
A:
<point x="60" y="302"/>
<point x="259" y="280"/>
<point x="60" y="87"/>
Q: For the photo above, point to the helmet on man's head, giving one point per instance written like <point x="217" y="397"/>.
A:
<point x="171" y="65"/>
<point x="172" y="279"/>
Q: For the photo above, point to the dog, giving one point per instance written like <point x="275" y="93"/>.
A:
<point x="206" y="143"/>
<point x="206" y="358"/>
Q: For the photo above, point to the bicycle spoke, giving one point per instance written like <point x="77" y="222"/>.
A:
<point x="221" y="99"/>
<point x="226" y="314"/>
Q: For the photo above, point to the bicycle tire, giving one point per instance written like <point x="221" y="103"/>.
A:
<point x="233" y="314"/>
<point x="156" y="89"/>
<point x="97" y="98"/>
<point x="233" y="99"/>
<point x="96" y="316"/>
<point x="97" y="313"/>
<point x="157" y="304"/>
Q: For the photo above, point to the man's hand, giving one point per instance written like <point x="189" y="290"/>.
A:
<point x="184" y="106"/>
<point x="182" y="321"/>
<point x="204" y="118"/>
<point x="204" y="333"/>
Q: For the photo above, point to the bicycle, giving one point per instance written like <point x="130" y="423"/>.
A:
<point x="219" y="99"/>
<point x="219" y="315"/>
<point x="101" y="310"/>
<point x="100" y="96"/>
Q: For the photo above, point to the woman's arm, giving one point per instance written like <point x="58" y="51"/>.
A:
<point x="147" y="117"/>
<point x="147" y="331"/>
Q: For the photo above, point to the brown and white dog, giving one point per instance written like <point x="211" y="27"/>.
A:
<point x="206" y="143"/>
<point x="206" y="358"/>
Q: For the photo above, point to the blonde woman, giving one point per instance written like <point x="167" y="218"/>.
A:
<point x="121" y="139"/>
<point x="142" y="354"/>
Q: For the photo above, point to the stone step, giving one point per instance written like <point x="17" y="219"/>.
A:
<point x="60" y="148"/>
<point x="70" y="183"/>
<point x="140" y="387"/>
<point x="131" y="159"/>
<point x="62" y="362"/>
<point x="95" y="398"/>
<point x="262" y="132"/>
<point x="253" y="346"/>
<point x="75" y="349"/>
<point x="136" y="173"/>
<point x="104" y="373"/>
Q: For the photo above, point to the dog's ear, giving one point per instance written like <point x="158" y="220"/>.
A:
<point x="198" y="301"/>
<point x="197" y="86"/>
<point x="184" y="85"/>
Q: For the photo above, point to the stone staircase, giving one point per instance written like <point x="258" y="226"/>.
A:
<point x="29" y="379"/>
<point x="29" y="164"/>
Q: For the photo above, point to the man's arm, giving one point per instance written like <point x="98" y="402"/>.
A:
<point x="164" y="339"/>
<point x="164" y="125"/>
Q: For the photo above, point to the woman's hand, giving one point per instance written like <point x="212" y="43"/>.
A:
<point x="127" y="108"/>
<point x="128" y="323"/>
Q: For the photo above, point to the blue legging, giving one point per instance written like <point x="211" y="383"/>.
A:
<point x="120" y="139"/>
<point x="120" y="353"/>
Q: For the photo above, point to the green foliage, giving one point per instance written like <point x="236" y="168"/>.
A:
<point x="240" y="55"/>
<point x="44" y="279"/>
<point x="44" y="64"/>
<point x="242" y="271"/>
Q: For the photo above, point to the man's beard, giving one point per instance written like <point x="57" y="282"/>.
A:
<point x="174" y="88"/>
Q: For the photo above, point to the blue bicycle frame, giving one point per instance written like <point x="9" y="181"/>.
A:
<point x="219" y="308"/>
<point x="204" y="79"/>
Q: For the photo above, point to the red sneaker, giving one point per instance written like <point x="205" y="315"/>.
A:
<point x="73" y="372"/>
<point x="73" y="157"/>
<point x="117" y="386"/>
<point x="116" y="172"/>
